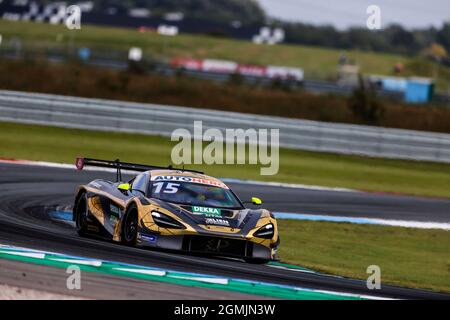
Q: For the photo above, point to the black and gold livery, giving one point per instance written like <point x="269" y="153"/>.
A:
<point x="176" y="209"/>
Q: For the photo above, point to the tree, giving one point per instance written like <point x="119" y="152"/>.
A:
<point x="246" y="11"/>
<point x="436" y="52"/>
<point x="443" y="36"/>
<point x="365" y="104"/>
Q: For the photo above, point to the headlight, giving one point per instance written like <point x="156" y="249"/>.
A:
<point x="265" y="232"/>
<point x="164" y="221"/>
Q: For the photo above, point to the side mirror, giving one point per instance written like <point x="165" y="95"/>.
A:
<point x="256" y="201"/>
<point x="124" y="187"/>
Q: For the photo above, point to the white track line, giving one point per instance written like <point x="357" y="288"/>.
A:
<point x="226" y="180"/>
<point x="363" y="220"/>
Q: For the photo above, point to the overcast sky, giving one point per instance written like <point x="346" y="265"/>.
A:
<point x="345" y="13"/>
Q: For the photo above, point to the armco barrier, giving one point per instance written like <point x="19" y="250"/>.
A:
<point x="97" y="114"/>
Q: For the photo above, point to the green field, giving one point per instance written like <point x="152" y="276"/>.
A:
<point x="63" y="145"/>
<point x="316" y="62"/>
<point x="414" y="258"/>
<point x="409" y="257"/>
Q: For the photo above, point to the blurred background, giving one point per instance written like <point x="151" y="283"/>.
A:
<point x="294" y="58"/>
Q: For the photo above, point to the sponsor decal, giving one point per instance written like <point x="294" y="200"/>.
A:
<point x="209" y="212"/>
<point x="219" y="222"/>
<point x="115" y="211"/>
<point x="189" y="179"/>
<point x="148" y="238"/>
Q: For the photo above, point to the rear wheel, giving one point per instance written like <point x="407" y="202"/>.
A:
<point x="130" y="226"/>
<point x="81" y="214"/>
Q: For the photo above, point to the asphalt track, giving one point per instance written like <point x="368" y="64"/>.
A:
<point x="24" y="187"/>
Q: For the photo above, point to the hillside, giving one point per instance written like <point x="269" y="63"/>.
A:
<point x="318" y="63"/>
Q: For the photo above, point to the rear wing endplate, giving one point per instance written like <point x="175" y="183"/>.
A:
<point x="119" y="165"/>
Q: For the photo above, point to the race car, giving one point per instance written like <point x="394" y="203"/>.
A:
<point x="174" y="209"/>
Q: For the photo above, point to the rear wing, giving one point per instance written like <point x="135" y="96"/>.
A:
<point x="117" y="164"/>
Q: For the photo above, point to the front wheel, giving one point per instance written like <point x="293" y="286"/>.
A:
<point x="130" y="226"/>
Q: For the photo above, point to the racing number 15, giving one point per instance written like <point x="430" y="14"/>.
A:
<point x="169" y="187"/>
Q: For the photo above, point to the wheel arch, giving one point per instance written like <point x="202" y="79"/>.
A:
<point x="81" y="190"/>
<point x="132" y="203"/>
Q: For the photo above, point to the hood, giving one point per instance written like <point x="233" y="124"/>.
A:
<point x="198" y="215"/>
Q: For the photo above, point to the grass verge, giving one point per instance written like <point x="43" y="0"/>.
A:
<point x="34" y="142"/>
<point x="414" y="258"/>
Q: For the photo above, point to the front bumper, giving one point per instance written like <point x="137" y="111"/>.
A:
<point x="214" y="245"/>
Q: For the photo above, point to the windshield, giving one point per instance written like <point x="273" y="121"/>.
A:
<point x="194" y="194"/>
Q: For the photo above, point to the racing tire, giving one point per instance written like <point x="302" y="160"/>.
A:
<point x="130" y="226"/>
<point x="81" y="213"/>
